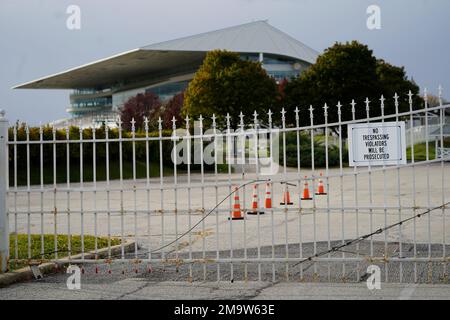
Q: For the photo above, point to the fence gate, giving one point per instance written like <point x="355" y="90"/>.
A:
<point x="227" y="199"/>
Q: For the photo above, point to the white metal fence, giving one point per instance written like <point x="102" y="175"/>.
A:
<point x="179" y="214"/>
<point x="419" y="134"/>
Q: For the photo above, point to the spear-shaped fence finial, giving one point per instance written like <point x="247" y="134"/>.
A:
<point x="269" y="115"/>
<point x="174" y="123"/>
<point x="186" y="120"/>
<point x="353" y="104"/>
<point x="228" y="118"/>
<point x="213" y="120"/>
<point x="367" y="103"/>
<point x="146" y="124"/>
<point x="255" y="117"/>
<point x="339" y="107"/>
<point x="325" y="109"/>
<point x="396" y="96"/>
<point x="133" y="125"/>
<point x="311" y="109"/>
<point x="425" y="97"/>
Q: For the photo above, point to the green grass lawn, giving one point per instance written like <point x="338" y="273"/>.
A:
<point x="88" y="172"/>
<point x="49" y="247"/>
<point x="420" y="153"/>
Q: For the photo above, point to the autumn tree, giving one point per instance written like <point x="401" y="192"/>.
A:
<point x="173" y="109"/>
<point x="141" y="106"/>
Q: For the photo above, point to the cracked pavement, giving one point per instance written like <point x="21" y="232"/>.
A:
<point x="129" y="281"/>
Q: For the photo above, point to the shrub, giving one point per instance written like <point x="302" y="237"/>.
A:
<point x="305" y="152"/>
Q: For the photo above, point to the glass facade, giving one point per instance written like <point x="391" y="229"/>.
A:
<point x="281" y="75"/>
<point x="278" y="67"/>
<point x="94" y="102"/>
<point x="91" y="102"/>
<point x="168" y="90"/>
<point x="250" y="56"/>
<point x="88" y="101"/>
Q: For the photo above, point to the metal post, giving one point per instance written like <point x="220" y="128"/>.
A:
<point x="4" y="229"/>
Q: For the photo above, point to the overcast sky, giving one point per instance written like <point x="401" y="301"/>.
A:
<point x="35" y="42"/>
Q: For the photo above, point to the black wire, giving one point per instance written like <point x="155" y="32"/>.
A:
<point x="332" y="249"/>
<point x="181" y="236"/>
<point x="203" y="218"/>
<point x="364" y="237"/>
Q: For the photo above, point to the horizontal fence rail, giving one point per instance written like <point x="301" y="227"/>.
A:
<point x="260" y="201"/>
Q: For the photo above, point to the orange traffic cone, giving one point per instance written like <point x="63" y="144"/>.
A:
<point x="268" y="200"/>
<point x="320" y="187"/>
<point x="306" y="191"/>
<point x="255" y="202"/>
<point x="236" y="213"/>
<point x="286" y="197"/>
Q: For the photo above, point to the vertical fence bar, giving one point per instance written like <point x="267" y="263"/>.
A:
<point x="188" y="142"/>
<point x="325" y="117"/>
<point x="270" y="186"/>
<point x="175" y="181"/>
<point x="16" y="237"/>
<point x="413" y="168"/>
<point x="133" y="137"/>
<point x="441" y="135"/>
<point x="147" y="176"/>
<point x="427" y="158"/>
<point x="399" y="199"/>
<point x="94" y="183"/>
<point x="300" y="236"/>
<point x="369" y="171"/>
<point x="161" y="185"/>
<point x="108" y="186"/>
<point x="81" y="191"/>
<point x="69" y="242"/>
<point x="55" y="191"/>
<point x="242" y="148"/>
<point x="216" y="188"/>
<point x="41" y="178"/>
<point x="122" y="222"/>
<point x="202" y="190"/>
<point x="311" y="116"/>
<point x="27" y="132"/>
<point x="286" y="245"/>
<point x="341" y="188"/>
<point x="386" y="265"/>
<point x="258" y="218"/>
<point x="355" y="194"/>
<point x="229" y="148"/>
<point x="4" y="229"/>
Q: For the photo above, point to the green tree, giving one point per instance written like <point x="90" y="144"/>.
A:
<point x="345" y="72"/>
<point x="393" y="80"/>
<point x="226" y="84"/>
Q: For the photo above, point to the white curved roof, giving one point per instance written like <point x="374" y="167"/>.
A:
<point x="176" y="55"/>
<point x="257" y="36"/>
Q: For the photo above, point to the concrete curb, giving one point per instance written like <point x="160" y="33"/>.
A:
<point x="25" y="274"/>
